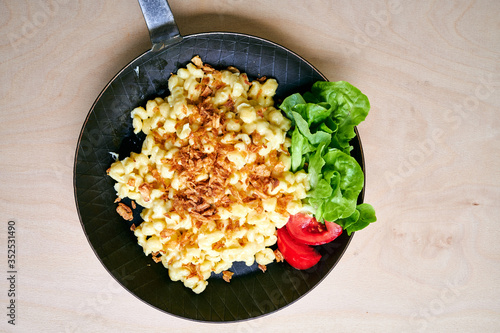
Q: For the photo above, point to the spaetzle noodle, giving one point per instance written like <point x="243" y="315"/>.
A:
<point x="213" y="174"/>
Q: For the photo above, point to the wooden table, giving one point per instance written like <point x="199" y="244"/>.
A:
<point x="432" y="73"/>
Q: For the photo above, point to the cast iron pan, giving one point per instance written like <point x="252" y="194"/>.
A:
<point x="108" y="128"/>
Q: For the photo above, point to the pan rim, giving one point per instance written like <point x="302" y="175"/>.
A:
<point x="78" y="148"/>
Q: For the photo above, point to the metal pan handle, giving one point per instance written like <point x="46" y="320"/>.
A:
<point x="161" y="24"/>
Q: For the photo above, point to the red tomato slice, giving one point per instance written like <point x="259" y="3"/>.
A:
<point x="298" y="255"/>
<point x="307" y="230"/>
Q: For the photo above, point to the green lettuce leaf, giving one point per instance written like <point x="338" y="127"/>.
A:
<point x="323" y="121"/>
<point x="329" y="126"/>
<point x="316" y="163"/>
<point x="313" y="113"/>
<point x="360" y="219"/>
<point x="316" y="198"/>
<point x="314" y="138"/>
<point x="300" y="147"/>
<point x="310" y="98"/>
<point x="289" y="103"/>
<point x="351" y="179"/>
<point x="352" y="107"/>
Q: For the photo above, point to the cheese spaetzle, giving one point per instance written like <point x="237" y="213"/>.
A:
<point x="213" y="174"/>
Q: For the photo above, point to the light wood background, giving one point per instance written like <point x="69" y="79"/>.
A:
<point x="432" y="146"/>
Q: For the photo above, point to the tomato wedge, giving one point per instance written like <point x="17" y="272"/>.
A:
<point x="307" y="230"/>
<point x="298" y="255"/>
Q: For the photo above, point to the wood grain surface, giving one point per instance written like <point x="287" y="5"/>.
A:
<point x="431" y="141"/>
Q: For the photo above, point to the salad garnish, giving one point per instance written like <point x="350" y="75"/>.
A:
<point x="323" y="125"/>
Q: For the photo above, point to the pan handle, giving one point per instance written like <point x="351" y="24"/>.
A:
<point x="161" y="24"/>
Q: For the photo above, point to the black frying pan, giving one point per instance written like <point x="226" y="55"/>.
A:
<point x="108" y="128"/>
